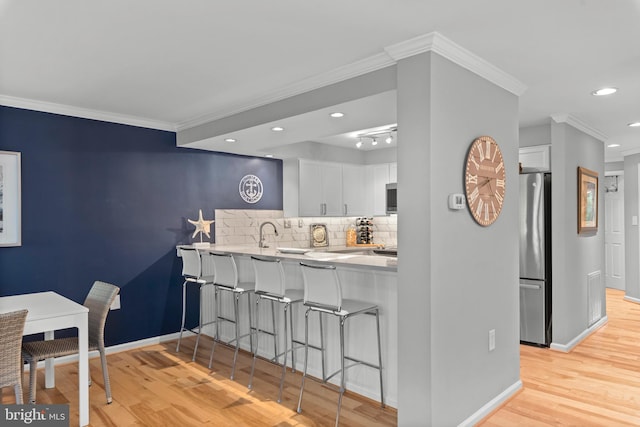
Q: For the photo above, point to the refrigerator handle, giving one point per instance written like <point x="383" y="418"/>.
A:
<point x="527" y="286"/>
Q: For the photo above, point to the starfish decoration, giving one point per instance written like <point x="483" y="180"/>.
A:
<point x="202" y="225"/>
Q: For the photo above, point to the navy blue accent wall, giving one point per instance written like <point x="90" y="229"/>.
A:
<point x="104" y="201"/>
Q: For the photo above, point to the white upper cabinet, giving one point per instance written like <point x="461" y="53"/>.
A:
<point x="393" y="172"/>
<point x="378" y="177"/>
<point x="313" y="188"/>
<point x="354" y="191"/>
<point x="320" y="191"/>
<point x="537" y="157"/>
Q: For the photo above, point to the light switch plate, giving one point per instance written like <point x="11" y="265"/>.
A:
<point x="456" y="201"/>
<point x="634" y="220"/>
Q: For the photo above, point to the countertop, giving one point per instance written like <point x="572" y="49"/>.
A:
<point x="318" y="255"/>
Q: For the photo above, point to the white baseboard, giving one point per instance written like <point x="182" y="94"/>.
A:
<point x="118" y="348"/>
<point x="492" y="405"/>
<point x="391" y="400"/>
<point x="631" y="299"/>
<point x="566" y="348"/>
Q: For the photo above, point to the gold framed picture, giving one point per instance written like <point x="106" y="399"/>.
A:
<point x="587" y="201"/>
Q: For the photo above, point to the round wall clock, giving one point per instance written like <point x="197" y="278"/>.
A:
<point x="484" y="179"/>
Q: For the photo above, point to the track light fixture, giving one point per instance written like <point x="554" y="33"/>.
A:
<point x="374" y="135"/>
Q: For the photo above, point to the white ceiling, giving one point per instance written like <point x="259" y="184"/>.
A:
<point x="170" y="64"/>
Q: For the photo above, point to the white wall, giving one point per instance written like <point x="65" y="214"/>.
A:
<point x="574" y="255"/>
<point x="535" y="135"/>
<point x="457" y="280"/>
<point x="631" y="238"/>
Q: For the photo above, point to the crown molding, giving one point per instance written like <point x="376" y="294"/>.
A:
<point x="67" y="110"/>
<point x="337" y="75"/>
<point x="580" y="125"/>
<point x="629" y="152"/>
<point x="436" y="42"/>
<point x="392" y="54"/>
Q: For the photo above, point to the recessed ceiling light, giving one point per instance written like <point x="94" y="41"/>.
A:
<point x="337" y="115"/>
<point x="604" y="91"/>
<point x="229" y="140"/>
<point x="634" y="125"/>
<point x="277" y="129"/>
<point x="613" y="145"/>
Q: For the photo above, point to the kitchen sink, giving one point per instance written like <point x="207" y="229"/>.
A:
<point x="352" y="251"/>
<point x="326" y="255"/>
<point x="393" y="252"/>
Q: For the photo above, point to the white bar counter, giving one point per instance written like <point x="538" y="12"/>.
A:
<point x="371" y="278"/>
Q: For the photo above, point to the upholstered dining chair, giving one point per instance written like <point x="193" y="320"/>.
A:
<point x="98" y="301"/>
<point x="11" y="329"/>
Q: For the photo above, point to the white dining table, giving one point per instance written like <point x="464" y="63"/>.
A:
<point x="48" y="312"/>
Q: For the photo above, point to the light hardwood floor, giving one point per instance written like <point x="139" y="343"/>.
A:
<point x="155" y="386"/>
<point x="597" y="384"/>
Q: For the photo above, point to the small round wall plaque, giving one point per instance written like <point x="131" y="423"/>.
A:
<point x="250" y="189"/>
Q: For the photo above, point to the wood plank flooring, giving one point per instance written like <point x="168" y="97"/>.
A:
<point x="597" y="384"/>
<point x="155" y="386"/>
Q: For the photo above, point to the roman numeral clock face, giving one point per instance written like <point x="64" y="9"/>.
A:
<point x="485" y="180"/>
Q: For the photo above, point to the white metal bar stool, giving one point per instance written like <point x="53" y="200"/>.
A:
<point x="194" y="272"/>
<point x="226" y="280"/>
<point x="270" y="286"/>
<point x="323" y="293"/>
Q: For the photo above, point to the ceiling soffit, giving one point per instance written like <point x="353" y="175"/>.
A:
<point x="219" y="123"/>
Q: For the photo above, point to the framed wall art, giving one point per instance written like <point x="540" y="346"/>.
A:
<point x="587" y="201"/>
<point x="10" y="199"/>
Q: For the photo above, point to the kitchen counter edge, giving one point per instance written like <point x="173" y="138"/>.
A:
<point x="375" y="262"/>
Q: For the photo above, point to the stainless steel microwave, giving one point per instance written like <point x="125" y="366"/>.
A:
<point x="391" y="197"/>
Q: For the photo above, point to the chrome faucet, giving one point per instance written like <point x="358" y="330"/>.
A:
<point x="261" y="244"/>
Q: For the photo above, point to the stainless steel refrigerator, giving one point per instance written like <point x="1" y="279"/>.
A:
<point x="535" y="258"/>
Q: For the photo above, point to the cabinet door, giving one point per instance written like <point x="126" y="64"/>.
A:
<point x="393" y="172"/>
<point x="379" y="180"/>
<point x="310" y="189"/>
<point x="354" y="194"/>
<point x="332" y="189"/>
<point x="537" y="157"/>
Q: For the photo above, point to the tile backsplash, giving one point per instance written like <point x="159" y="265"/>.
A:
<point x="236" y="226"/>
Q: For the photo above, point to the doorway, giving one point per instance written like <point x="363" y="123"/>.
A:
<point x="614" y="230"/>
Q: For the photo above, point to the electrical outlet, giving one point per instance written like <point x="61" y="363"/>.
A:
<point x="300" y="223"/>
<point x="115" y="305"/>
<point x="492" y="339"/>
<point x="287" y="223"/>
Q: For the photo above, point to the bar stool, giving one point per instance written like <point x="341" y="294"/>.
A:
<point x="193" y="272"/>
<point x="226" y="280"/>
<point x="323" y="293"/>
<point x="270" y="286"/>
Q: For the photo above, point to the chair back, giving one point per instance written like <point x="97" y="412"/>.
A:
<point x="321" y="286"/>
<point x="98" y="301"/>
<point x="191" y="266"/>
<point x="226" y="272"/>
<point x="11" y="329"/>
<point x="269" y="276"/>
